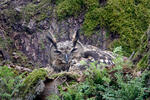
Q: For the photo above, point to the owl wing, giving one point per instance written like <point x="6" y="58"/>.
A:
<point x="94" y="55"/>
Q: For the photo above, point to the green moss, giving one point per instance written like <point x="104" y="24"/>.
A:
<point x="69" y="8"/>
<point x="91" y="4"/>
<point x="92" y="20"/>
<point x="32" y="79"/>
<point x="143" y="63"/>
<point x="143" y="52"/>
<point x="126" y="18"/>
<point x="70" y="75"/>
<point x="58" y="1"/>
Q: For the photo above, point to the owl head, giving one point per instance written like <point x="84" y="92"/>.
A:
<point x="62" y="53"/>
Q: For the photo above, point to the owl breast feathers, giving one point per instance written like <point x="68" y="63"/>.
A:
<point x="67" y="55"/>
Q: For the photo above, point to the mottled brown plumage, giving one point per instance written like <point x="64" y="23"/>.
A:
<point x="69" y="53"/>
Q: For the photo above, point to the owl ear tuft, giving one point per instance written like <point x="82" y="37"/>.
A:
<point x="75" y="37"/>
<point x="51" y="38"/>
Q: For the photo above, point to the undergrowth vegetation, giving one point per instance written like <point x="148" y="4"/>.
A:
<point x="10" y="81"/>
<point x="14" y="86"/>
<point x="118" y="83"/>
<point x="98" y="87"/>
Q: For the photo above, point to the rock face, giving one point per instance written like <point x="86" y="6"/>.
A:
<point x="29" y="35"/>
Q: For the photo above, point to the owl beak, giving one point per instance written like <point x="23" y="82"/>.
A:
<point x="67" y="58"/>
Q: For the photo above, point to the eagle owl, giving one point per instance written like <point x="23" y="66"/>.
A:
<point x="65" y="54"/>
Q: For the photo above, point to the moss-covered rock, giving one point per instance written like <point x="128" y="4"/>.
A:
<point x="33" y="78"/>
<point x="33" y="84"/>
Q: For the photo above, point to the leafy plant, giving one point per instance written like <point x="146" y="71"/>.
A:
<point x="112" y="84"/>
<point x="10" y="82"/>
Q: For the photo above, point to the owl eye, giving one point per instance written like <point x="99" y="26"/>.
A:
<point x="57" y="52"/>
<point x="74" y="49"/>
